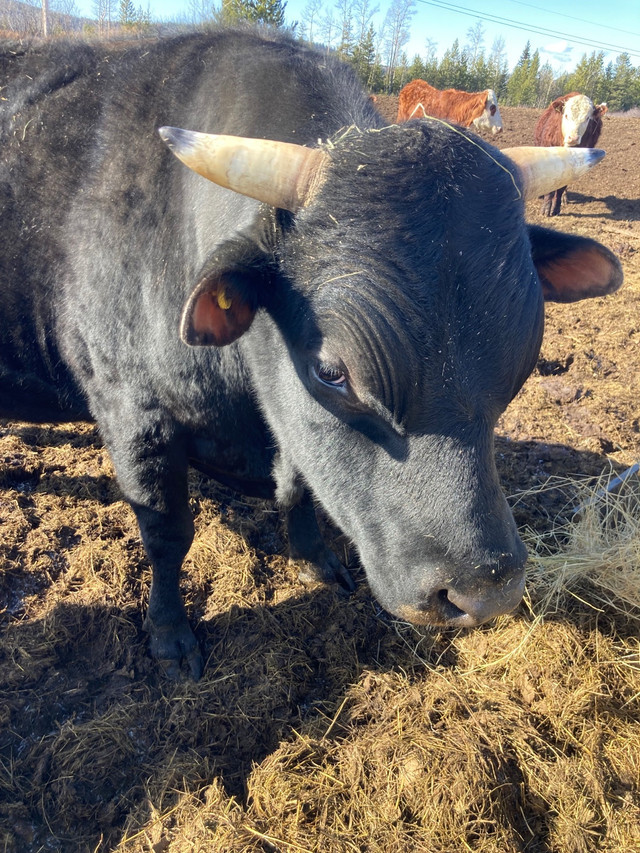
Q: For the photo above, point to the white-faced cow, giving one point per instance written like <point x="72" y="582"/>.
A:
<point x="336" y="322"/>
<point x="573" y="121"/>
<point x="418" y="100"/>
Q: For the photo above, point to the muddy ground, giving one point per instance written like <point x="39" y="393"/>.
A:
<point x="321" y="723"/>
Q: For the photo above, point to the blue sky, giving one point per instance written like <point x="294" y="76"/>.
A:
<point x="562" y="30"/>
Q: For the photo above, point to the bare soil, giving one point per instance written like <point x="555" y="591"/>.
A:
<point x="321" y="723"/>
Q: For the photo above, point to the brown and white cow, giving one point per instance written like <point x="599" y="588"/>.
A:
<point x="571" y="120"/>
<point x="418" y="99"/>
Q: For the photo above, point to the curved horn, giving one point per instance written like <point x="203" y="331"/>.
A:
<point x="543" y="170"/>
<point x="278" y="173"/>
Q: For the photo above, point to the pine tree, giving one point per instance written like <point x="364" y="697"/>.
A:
<point x="364" y="56"/>
<point x="416" y="68"/>
<point x="128" y="17"/>
<point x="269" y="12"/>
<point x="625" y="84"/>
<point x="376" y="76"/>
<point x="588" y="76"/>
<point x="402" y="73"/>
<point x="453" y="72"/>
<point x="522" y="88"/>
<point x="257" y="11"/>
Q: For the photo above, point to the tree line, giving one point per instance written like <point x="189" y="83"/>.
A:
<point x="382" y="64"/>
<point x="377" y="53"/>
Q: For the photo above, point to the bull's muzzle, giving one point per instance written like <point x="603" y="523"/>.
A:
<point x="460" y="604"/>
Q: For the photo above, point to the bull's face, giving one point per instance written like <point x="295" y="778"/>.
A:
<point x="576" y="115"/>
<point x="490" y="118"/>
<point x="403" y="313"/>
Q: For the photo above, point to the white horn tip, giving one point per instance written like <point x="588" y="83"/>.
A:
<point x="177" y="140"/>
<point x="594" y="155"/>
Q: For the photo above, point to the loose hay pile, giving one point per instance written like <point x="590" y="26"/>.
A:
<point x="320" y="724"/>
<point x="601" y="550"/>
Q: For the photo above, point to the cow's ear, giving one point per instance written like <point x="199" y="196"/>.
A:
<point x="571" y="267"/>
<point x="220" y="310"/>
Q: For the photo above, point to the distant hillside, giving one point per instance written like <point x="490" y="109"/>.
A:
<point x="26" y="19"/>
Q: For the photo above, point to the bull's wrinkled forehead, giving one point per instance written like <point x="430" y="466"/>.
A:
<point x="414" y="256"/>
<point x="578" y="109"/>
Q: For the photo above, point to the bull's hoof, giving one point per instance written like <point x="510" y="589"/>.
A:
<point x="325" y="569"/>
<point x="170" y="645"/>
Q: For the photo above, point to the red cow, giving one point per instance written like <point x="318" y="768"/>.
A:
<point x="418" y="99"/>
<point x="573" y="121"/>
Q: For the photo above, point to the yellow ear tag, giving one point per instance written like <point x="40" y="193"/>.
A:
<point x="223" y="301"/>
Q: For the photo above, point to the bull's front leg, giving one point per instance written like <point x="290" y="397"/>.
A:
<point x="557" y="201"/>
<point x="546" y="204"/>
<point x="151" y="467"/>
<point x="307" y="548"/>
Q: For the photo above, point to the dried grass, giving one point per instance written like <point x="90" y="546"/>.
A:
<point x="595" y="552"/>
<point x="320" y="724"/>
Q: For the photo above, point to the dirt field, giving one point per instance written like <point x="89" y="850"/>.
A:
<point x="321" y="724"/>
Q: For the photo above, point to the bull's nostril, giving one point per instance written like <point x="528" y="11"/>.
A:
<point x="448" y="609"/>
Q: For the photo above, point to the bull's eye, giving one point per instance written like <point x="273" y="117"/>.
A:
<point x="331" y="375"/>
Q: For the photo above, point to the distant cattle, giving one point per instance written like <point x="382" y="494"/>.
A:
<point x="573" y="121"/>
<point x="418" y="99"/>
<point x="335" y="323"/>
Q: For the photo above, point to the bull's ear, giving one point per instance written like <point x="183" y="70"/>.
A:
<point x="219" y="310"/>
<point x="571" y="267"/>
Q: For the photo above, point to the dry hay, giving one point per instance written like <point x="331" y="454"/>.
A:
<point x="599" y="549"/>
<point x="321" y="724"/>
<point x="522" y="736"/>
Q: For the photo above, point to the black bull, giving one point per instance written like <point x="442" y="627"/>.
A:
<point x="396" y="315"/>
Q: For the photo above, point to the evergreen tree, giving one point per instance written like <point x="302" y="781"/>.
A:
<point x="257" y="11"/>
<point x="453" y="72"/>
<point x="143" y="18"/>
<point x="416" y="68"/>
<point x="128" y="17"/>
<point x="608" y="79"/>
<point x="560" y="86"/>
<point x="401" y="76"/>
<point x="522" y="88"/>
<point x="364" y="56"/>
<point x="625" y="84"/>
<point x="376" y="76"/>
<point x="479" y="74"/>
<point x="269" y="12"/>
<point x="588" y="76"/>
